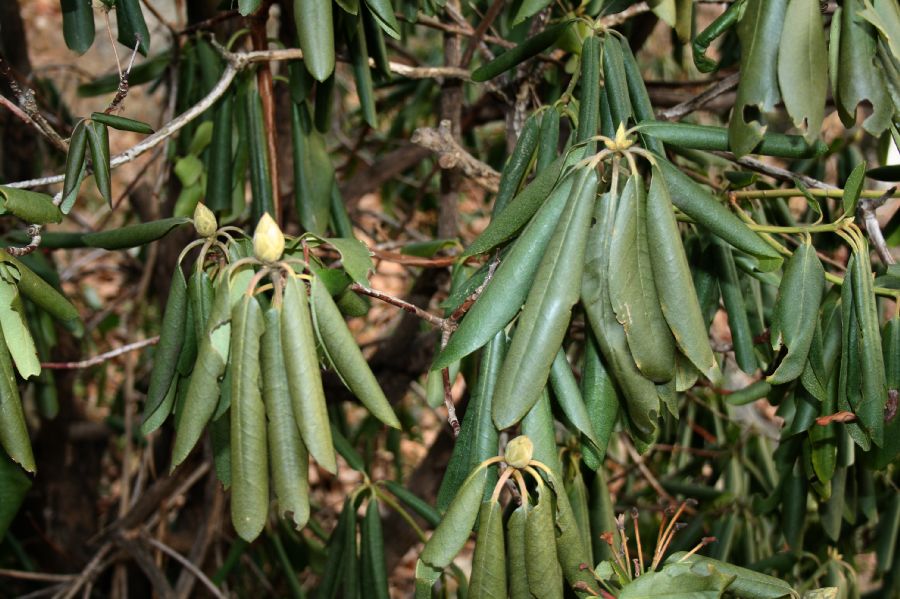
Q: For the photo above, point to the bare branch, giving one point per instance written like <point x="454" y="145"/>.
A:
<point x="187" y="565"/>
<point x="452" y="155"/>
<point x="34" y="232"/>
<point x="777" y="172"/>
<point x="102" y="357"/>
<point x="437" y="321"/>
<point x="867" y="209"/>
<point x="708" y="95"/>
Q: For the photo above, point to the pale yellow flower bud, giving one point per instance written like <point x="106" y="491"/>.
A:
<point x="268" y="240"/>
<point x="519" y="452"/>
<point x="204" y="221"/>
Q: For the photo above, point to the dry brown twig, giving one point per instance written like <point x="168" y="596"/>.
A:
<point x="452" y="155"/>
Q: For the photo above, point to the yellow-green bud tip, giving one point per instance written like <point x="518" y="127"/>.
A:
<point x="268" y="241"/>
<point x="204" y="221"/>
<point x="519" y="451"/>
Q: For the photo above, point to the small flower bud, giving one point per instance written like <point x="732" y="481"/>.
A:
<point x="204" y="221"/>
<point x="268" y="240"/>
<point x="519" y="452"/>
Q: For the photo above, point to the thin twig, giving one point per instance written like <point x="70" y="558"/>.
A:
<point x="25" y="98"/>
<point x="209" y="584"/>
<point x="437" y="321"/>
<point x="777" y="172"/>
<point x="235" y="63"/>
<point x="100" y="359"/>
<point x="34" y="232"/>
<point x="708" y="95"/>
<point x="37" y="576"/>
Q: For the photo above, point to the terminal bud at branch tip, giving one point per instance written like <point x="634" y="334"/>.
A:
<point x="268" y="240"/>
<point x="204" y="221"/>
<point x="519" y="451"/>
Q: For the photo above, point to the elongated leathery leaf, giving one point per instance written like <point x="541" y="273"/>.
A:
<point x="478" y="439"/>
<point x="601" y="401"/>
<point x="679" y="581"/>
<point x="15" y="327"/>
<point x="171" y="338"/>
<point x="14" y="485"/>
<point x="708" y="137"/>
<point x="313" y="172"/>
<point x="759" y="31"/>
<point x="453" y="531"/>
<point x="695" y="201"/>
<point x="347" y="358"/>
<point x="43" y="293"/>
<point x="249" y="468"/>
<point x="890" y="349"/>
<point x="121" y="123"/>
<point x="637" y="92"/>
<point x="545" y="579"/>
<point x="532" y="46"/>
<point x="131" y="26"/>
<point x="796" y="311"/>
<point x="509" y="218"/>
<point x="75" y="166"/>
<point x="589" y="107"/>
<point x="32" y="207"/>
<point x="803" y="65"/>
<point x="871" y="408"/>
<point x="133" y="235"/>
<point x="304" y="377"/>
<point x="548" y="308"/>
<point x="514" y="172"/>
<point x="615" y="83"/>
<point x="548" y="143"/>
<point x="849" y="381"/>
<point x="568" y="396"/>
<point x="677" y="295"/>
<point x="632" y="291"/>
<point x="335" y="548"/>
<point x="373" y="552"/>
<point x="733" y="299"/>
<point x="639" y="393"/>
<point x="538" y="425"/>
<point x="13" y="432"/>
<point x="359" y="55"/>
<point x="747" y="583"/>
<point x="515" y="552"/>
<point x="858" y="78"/>
<point x="98" y="143"/>
<point x="290" y="460"/>
<point x="78" y="24"/>
<point x="504" y="295"/>
<point x="489" y="562"/>
<point x="570" y="540"/>
<point x="203" y="389"/>
<point x="383" y="11"/>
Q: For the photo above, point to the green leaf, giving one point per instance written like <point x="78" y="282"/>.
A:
<point x="871" y="408"/>
<point x="98" y="142"/>
<point x="221" y="160"/>
<point x="616" y="83"/>
<point x="548" y="308"/>
<point x="544" y="574"/>
<point x="132" y="27"/>
<point x="426" y="577"/>
<point x="346" y="450"/>
<point x="678" y="581"/>
<point x="568" y="396"/>
<point x="517" y="166"/>
<point x="418" y="505"/>
<point x="885" y="16"/>
<point x="453" y="531"/>
<point x="290" y="460"/>
<point x="853" y="188"/>
<point x="890" y="349"/>
<point x="335" y="549"/>
<point x="589" y="98"/>
<point x="304" y="376"/>
<point x="359" y="57"/>
<point x="672" y="276"/>
<point x="75" y="165"/>
<point x="32" y="207"/>
<point x="747" y="583"/>
<point x="712" y="139"/>
<point x="884" y="173"/>
<point x="188" y="169"/>
<point x="248" y="7"/>
<point x="338" y="343"/>
<point x="733" y="300"/>
<point x="13" y="431"/>
<point x="258" y="150"/>
<point x="43" y="294"/>
<point x="133" y="235"/>
<point x="121" y="123"/>
<point x="600" y="400"/>
<point x="15" y="327"/>
<point x="373" y="550"/>
<point x="489" y="562"/>
<point x="510" y="218"/>
<point x="573" y="536"/>
<point x="539" y="426"/>
<point x="515" y="552"/>
<point x="529" y="8"/>
<point x="859" y="79"/>
<point x="637" y="91"/>
<point x="796" y="311"/>
<point x="383" y="11"/>
<point x="249" y="467"/>
<point x="717" y="28"/>
<point x="14" y="485"/>
<point x="531" y="47"/>
<point x="355" y="257"/>
<point x="202" y="392"/>
<point x="759" y="31"/>
<point x="695" y="201"/>
<point x="78" y="24"/>
<point x="803" y="66"/>
<point x="313" y="172"/>
<point x="632" y="291"/>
